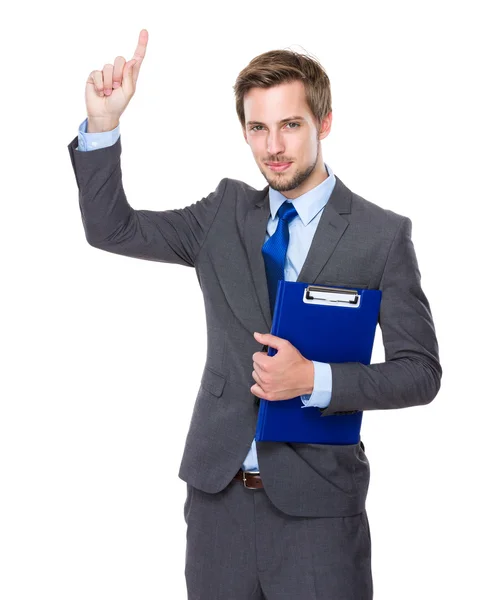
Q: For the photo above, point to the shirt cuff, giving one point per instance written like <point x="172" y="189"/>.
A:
<point x="322" y="386"/>
<point x="95" y="141"/>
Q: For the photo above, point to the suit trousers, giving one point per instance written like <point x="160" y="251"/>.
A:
<point x="239" y="546"/>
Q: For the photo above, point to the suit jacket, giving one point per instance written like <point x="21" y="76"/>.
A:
<point x="357" y="243"/>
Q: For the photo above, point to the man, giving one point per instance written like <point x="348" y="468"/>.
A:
<point x="275" y="520"/>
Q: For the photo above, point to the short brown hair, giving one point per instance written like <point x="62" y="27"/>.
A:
<point x="280" y="66"/>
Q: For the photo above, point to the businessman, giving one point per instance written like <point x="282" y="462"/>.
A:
<point x="269" y="520"/>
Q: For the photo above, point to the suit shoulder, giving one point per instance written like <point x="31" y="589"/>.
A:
<point x="374" y="213"/>
<point x="238" y="185"/>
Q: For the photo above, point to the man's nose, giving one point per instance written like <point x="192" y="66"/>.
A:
<point x="275" y="143"/>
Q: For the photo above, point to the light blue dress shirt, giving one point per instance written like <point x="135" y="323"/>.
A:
<point x="302" y="228"/>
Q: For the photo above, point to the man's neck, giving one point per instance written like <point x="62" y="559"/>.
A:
<point x="312" y="182"/>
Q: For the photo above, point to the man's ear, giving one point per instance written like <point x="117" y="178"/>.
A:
<point x="326" y="126"/>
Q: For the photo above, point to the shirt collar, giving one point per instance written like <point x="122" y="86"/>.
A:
<point x="307" y="205"/>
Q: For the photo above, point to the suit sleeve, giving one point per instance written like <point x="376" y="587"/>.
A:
<point x="111" y="224"/>
<point x="411" y="373"/>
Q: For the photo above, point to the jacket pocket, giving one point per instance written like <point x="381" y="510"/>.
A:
<point x="212" y="381"/>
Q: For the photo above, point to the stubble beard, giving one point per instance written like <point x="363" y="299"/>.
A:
<point x="281" y="183"/>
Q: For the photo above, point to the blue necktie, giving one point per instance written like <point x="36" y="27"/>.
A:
<point x="274" y="250"/>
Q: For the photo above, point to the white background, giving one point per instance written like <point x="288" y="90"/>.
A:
<point x="103" y="354"/>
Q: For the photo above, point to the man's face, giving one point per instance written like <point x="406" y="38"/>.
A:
<point x="295" y="140"/>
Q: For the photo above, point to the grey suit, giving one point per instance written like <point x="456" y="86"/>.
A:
<point x="357" y="243"/>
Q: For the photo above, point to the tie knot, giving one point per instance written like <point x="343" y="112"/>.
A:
<point x="287" y="211"/>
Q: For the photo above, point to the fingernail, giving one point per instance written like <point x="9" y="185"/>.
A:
<point x="108" y="92"/>
<point x="115" y="84"/>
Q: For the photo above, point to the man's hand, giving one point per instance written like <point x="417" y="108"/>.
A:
<point x="286" y="375"/>
<point x="108" y="92"/>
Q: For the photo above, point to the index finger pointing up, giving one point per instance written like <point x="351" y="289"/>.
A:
<point x="139" y="54"/>
<point x="141" y="49"/>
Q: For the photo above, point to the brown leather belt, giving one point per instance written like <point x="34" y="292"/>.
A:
<point x="250" y="479"/>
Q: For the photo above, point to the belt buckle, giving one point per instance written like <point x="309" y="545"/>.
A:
<point x="245" y="479"/>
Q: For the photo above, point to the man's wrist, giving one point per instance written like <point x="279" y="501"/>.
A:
<point x="309" y="377"/>
<point x="101" y="125"/>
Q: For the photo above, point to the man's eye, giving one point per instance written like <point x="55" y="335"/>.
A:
<point x="254" y="128"/>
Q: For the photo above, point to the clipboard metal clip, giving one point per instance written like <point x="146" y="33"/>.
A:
<point x="320" y="294"/>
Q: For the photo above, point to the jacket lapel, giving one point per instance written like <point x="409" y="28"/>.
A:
<point x="329" y="230"/>
<point x="255" y="231"/>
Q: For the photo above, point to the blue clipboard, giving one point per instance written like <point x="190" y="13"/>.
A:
<point x="328" y="324"/>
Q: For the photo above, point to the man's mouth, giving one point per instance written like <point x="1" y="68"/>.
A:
<point x="277" y="166"/>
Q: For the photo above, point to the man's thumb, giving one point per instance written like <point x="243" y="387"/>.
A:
<point x="128" y="75"/>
